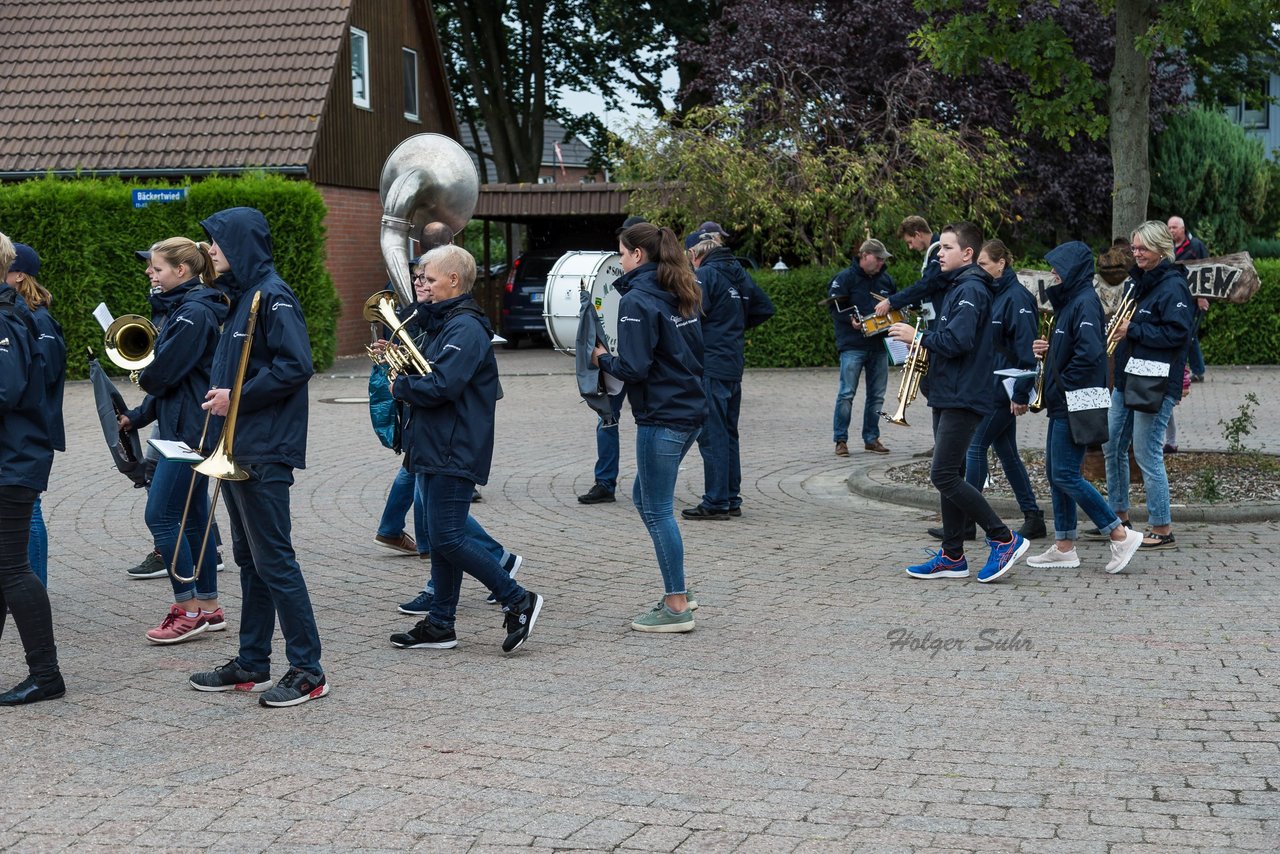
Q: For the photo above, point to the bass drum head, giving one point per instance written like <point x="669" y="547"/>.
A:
<point x="572" y="273"/>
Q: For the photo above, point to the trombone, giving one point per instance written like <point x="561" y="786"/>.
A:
<point x="1125" y="311"/>
<point x="913" y="371"/>
<point x="220" y="464"/>
<point x="400" y="358"/>
<point x="130" y="343"/>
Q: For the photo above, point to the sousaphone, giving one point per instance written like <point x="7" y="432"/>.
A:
<point x="427" y="178"/>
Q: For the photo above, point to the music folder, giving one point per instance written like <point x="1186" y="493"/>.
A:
<point x="174" y="450"/>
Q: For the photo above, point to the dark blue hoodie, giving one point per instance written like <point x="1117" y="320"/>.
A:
<point x="1077" y="357"/>
<point x="853" y="288"/>
<point x="724" y="314"/>
<point x="1161" y="327"/>
<point x="659" y="353"/>
<point x="959" y="344"/>
<point x="53" y="349"/>
<point x="1015" y="322"/>
<point x="178" y="378"/>
<point x="449" y="430"/>
<point x="929" y="286"/>
<point x="271" y="425"/>
<point x="26" y="449"/>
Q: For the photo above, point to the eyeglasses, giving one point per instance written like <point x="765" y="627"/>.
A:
<point x="1139" y="250"/>
<point x="419" y="277"/>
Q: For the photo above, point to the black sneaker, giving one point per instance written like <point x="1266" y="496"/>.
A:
<point x="231" y="677"/>
<point x="295" y="688"/>
<point x="735" y="512"/>
<point x="1095" y="534"/>
<point x="970" y="533"/>
<point x="152" y="566"/>
<point x="519" y="623"/>
<point x="425" y="635"/>
<point x="31" y="691"/>
<point x="597" y="494"/>
<point x="702" y="511"/>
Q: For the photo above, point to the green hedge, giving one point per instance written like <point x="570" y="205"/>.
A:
<point x="1246" y="334"/>
<point x="86" y="231"/>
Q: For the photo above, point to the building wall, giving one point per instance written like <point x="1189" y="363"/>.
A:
<point x="353" y="258"/>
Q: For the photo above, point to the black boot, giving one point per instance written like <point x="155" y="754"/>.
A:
<point x="1033" y="525"/>
<point x="970" y="532"/>
<point x="31" y="691"/>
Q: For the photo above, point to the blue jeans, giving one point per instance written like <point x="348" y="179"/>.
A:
<point x="271" y="581"/>
<point x="472" y="529"/>
<point x="454" y="551"/>
<point x="608" y="452"/>
<point x="1062" y="459"/>
<point x="659" y="451"/>
<point x="38" y="545"/>
<point x="1145" y="431"/>
<point x="999" y="430"/>
<point x="399" y="499"/>
<point x="165" y="501"/>
<point x="718" y="444"/>
<point x="875" y="363"/>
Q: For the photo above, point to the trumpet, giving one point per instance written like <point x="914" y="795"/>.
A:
<point x="1047" y="322"/>
<point x="130" y="343"/>
<point x="913" y="370"/>
<point x="1128" y="305"/>
<point x="400" y="358"/>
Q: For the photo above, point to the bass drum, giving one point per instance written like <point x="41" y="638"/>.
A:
<point x="573" y="273"/>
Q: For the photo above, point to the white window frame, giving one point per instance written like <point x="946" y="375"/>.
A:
<point x="416" y="115"/>
<point x="363" y="37"/>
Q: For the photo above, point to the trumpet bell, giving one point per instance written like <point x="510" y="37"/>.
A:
<point x="130" y="342"/>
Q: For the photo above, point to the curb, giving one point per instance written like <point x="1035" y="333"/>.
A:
<point x="863" y="481"/>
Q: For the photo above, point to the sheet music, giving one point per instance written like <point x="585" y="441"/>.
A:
<point x="174" y="450"/>
<point x="897" y="350"/>
<point x="103" y="315"/>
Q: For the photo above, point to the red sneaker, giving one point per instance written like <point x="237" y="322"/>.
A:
<point x="214" y="620"/>
<point x="177" y="627"/>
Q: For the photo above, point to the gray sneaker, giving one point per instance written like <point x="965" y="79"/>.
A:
<point x="294" y="688"/>
<point x="152" y="566"/>
<point x="660" y="618"/>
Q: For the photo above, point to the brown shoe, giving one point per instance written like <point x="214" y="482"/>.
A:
<point x="842" y="449"/>
<point x="875" y="447"/>
<point x="401" y="542"/>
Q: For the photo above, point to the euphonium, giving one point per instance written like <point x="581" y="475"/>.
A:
<point x="400" y="358"/>
<point x="913" y="370"/>
<point x="130" y="342"/>
<point x="1124" y="312"/>
<point x="1047" y="322"/>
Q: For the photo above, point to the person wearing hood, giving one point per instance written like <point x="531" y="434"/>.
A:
<point x="1014" y="318"/>
<point x="53" y="348"/>
<point x="176" y="381"/>
<point x="659" y="358"/>
<point x="26" y="456"/>
<point x="1075" y="378"/>
<point x="959" y="347"/>
<point x="1153" y="342"/>
<point x="854" y="294"/>
<point x="449" y="439"/>
<point x="270" y="443"/>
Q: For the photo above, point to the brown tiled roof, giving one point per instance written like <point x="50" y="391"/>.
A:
<point x="166" y="85"/>
<point x="527" y="202"/>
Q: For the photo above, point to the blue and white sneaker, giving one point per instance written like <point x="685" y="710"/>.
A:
<point x="1003" y="557"/>
<point x="940" y="566"/>
<point x="418" y="605"/>
<point x="512" y="565"/>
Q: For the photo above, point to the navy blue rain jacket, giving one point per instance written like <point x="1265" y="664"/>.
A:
<point x="930" y="285"/>
<point x="659" y="353"/>
<point x="724" y="315"/>
<point x="271" y="424"/>
<point x="26" y="449"/>
<point x="1077" y="356"/>
<point x="959" y="344"/>
<point x="449" y="430"/>
<point x="853" y="287"/>
<point x="1015" y="322"/>
<point x="178" y="378"/>
<point x="53" y="348"/>
<point x="1161" y="327"/>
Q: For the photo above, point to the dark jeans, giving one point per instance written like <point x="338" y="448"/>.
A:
<point x="454" y="551"/>
<point x="953" y="431"/>
<point x="271" y="582"/>
<point x="999" y="430"/>
<point x="718" y="445"/>
<point x="20" y="590"/>
<point x="165" y="501"/>
<point x="607" y="446"/>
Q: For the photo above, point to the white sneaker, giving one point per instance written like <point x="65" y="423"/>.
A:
<point x="1053" y="557"/>
<point x="1122" y="552"/>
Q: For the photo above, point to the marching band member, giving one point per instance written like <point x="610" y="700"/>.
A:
<point x="960" y="352"/>
<point x="1153" y="342"/>
<point x="270" y="442"/>
<point x="175" y="383"/>
<point x="660" y="360"/>
<point x="1075" y="361"/>
<point x="457" y="400"/>
<point x="26" y="455"/>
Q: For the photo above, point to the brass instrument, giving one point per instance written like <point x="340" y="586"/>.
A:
<point x="913" y="370"/>
<point x="1128" y="305"/>
<point x="1047" y="322"/>
<point x="130" y="342"/>
<point x="220" y="464"/>
<point x="400" y="358"/>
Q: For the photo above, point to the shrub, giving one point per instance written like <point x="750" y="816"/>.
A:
<point x="86" y="231"/>
<point x="1246" y="334"/>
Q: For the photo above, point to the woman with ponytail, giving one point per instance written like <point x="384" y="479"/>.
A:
<point x="660" y="360"/>
<point x="176" y="382"/>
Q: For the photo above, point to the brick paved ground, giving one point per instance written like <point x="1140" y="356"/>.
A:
<point x="1123" y="713"/>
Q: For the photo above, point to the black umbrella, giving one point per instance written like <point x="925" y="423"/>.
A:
<point x="124" y="445"/>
